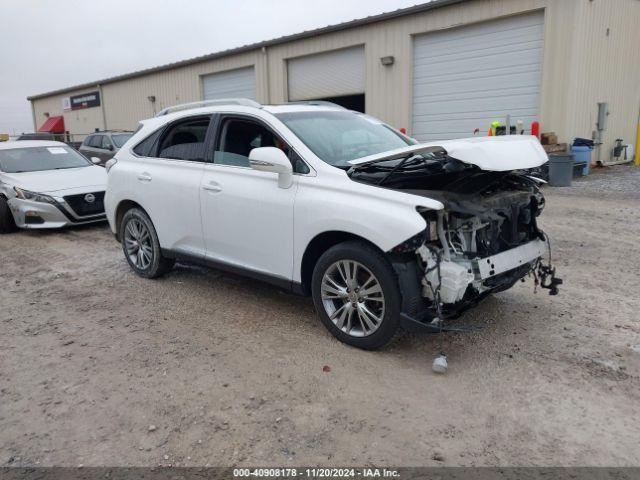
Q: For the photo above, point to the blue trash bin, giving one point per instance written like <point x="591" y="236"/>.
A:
<point x="582" y="154"/>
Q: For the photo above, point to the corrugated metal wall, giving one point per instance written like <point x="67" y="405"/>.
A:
<point x="127" y="101"/>
<point x="580" y="67"/>
<point x="605" y="67"/>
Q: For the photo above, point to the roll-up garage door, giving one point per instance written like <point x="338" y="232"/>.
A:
<point x="240" y="83"/>
<point x="465" y="78"/>
<point x="329" y="74"/>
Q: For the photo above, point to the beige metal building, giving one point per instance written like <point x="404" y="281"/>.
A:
<point x="440" y="70"/>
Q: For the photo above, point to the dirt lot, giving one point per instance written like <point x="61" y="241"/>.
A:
<point x="100" y="367"/>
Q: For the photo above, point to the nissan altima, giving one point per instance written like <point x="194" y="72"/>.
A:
<point x="47" y="184"/>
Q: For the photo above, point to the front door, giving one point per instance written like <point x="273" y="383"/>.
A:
<point x="247" y="219"/>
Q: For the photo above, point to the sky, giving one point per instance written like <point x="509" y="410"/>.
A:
<point x="46" y="45"/>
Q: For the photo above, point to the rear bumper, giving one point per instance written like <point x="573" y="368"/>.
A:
<point x="36" y="215"/>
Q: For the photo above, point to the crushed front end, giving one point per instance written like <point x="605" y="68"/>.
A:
<point x="485" y="240"/>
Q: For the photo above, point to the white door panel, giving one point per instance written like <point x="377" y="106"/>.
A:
<point x="465" y="78"/>
<point x="247" y="219"/>
<point x="171" y="192"/>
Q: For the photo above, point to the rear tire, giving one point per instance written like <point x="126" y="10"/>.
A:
<point x="356" y="295"/>
<point x="141" y="246"/>
<point x="7" y="223"/>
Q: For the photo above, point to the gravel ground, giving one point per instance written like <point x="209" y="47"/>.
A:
<point x="100" y="367"/>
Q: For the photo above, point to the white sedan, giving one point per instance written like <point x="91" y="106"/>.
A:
<point x="48" y="185"/>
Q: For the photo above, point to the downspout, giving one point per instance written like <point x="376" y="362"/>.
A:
<point x="104" y="115"/>
<point x="33" y="116"/>
<point x="266" y="61"/>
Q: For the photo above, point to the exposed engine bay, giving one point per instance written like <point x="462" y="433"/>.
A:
<point x="485" y="240"/>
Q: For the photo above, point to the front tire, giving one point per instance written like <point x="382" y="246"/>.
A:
<point x="7" y="223"/>
<point x="141" y="246"/>
<point x="356" y="295"/>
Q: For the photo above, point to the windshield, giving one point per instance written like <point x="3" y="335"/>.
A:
<point x="35" y="159"/>
<point x="121" y="138"/>
<point x="338" y="137"/>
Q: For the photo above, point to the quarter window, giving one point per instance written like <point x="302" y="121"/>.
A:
<point x="185" y="140"/>
<point x="88" y="140"/>
<point x="146" y="148"/>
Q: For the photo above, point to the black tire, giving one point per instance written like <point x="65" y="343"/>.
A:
<point x="157" y="265"/>
<point x="7" y="223"/>
<point x="378" y="265"/>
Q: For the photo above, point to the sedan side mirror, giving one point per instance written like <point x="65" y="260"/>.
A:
<point x="272" y="159"/>
<point x="96" y="160"/>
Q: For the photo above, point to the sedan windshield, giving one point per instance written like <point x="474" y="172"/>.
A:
<point x="338" y="137"/>
<point x="121" y="138"/>
<point x="35" y="159"/>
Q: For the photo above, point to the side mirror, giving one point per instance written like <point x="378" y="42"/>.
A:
<point x="96" y="160"/>
<point x="110" y="148"/>
<point x="272" y="159"/>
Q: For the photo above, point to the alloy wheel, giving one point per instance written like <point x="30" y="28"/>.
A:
<point x="137" y="242"/>
<point x="352" y="298"/>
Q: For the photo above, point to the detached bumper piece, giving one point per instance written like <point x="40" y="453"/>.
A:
<point x="434" y="325"/>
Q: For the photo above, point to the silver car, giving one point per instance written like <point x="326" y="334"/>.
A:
<point x="48" y="185"/>
<point x="104" y="145"/>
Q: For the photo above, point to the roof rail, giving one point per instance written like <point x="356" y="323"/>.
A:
<point x="317" y="103"/>
<point x="209" y="103"/>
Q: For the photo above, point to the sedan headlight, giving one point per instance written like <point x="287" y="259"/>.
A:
<point x="36" y="197"/>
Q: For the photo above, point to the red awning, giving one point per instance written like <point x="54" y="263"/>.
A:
<point x="53" y="125"/>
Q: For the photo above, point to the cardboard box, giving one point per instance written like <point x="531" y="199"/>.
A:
<point x="548" y="138"/>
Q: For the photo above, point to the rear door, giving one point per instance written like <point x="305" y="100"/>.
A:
<point x="168" y="180"/>
<point x="247" y="219"/>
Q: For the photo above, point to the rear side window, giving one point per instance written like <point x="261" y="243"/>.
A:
<point x="87" y="141"/>
<point x="184" y="140"/>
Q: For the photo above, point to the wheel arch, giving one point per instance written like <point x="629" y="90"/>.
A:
<point x="320" y="244"/>
<point x="121" y="209"/>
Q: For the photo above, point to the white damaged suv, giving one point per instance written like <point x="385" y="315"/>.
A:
<point x="384" y="233"/>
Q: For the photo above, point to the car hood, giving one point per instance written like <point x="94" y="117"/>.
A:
<point x="503" y="153"/>
<point x="54" y="181"/>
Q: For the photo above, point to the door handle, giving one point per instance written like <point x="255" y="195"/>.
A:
<point x="212" y="187"/>
<point x="144" y="177"/>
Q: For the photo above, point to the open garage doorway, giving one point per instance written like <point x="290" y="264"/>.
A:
<point x="350" y="102"/>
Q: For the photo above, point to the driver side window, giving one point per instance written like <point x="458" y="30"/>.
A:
<point x="239" y="137"/>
